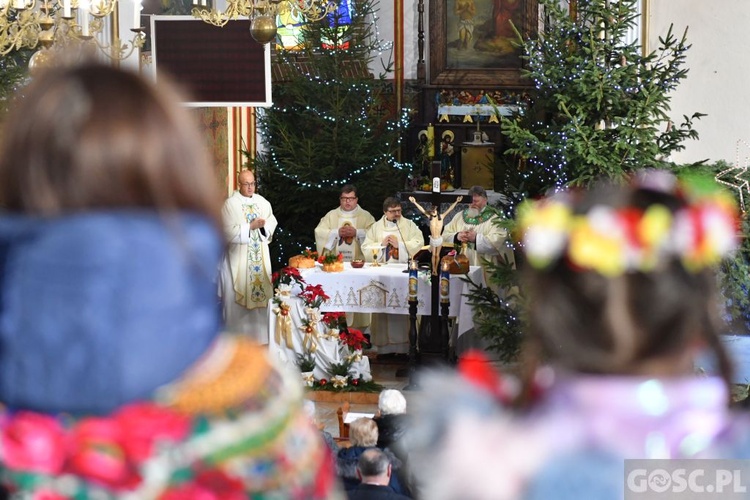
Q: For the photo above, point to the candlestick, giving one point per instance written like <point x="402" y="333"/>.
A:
<point x="413" y="281"/>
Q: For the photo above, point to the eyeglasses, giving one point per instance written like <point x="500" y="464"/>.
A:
<point x="394" y="210"/>
<point x="348" y="198"/>
<point x="247" y="184"/>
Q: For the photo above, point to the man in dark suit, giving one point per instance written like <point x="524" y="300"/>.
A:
<point x="374" y="471"/>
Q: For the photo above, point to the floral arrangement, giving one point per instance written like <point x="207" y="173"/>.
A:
<point x="330" y="258"/>
<point x="333" y="319"/>
<point x="354" y="339"/>
<point x="313" y="296"/>
<point x="310" y="254"/>
<point x="287" y="276"/>
<point x="612" y="241"/>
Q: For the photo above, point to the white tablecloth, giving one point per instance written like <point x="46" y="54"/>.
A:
<point x="384" y="289"/>
<point x="327" y="350"/>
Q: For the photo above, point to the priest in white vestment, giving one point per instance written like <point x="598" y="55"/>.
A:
<point x="485" y="240"/>
<point x="392" y="238"/>
<point x="343" y="228"/>
<point x="246" y="288"/>
<point x="476" y="226"/>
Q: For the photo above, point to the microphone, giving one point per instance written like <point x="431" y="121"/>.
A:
<point x="404" y="240"/>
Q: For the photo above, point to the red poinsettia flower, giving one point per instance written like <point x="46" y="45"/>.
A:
<point x="354" y="339"/>
<point x="313" y="296"/>
<point x="332" y="319"/>
<point x="288" y="276"/>
<point x="145" y="423"/>
<point x="33" y="442"/>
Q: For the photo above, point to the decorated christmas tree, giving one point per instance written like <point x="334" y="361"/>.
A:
<point x="333" y="122"/>
<point x="599" y="108"/>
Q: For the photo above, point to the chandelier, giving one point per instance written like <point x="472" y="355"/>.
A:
<point x="53" y="25"/>
<point x="263" y="13"/>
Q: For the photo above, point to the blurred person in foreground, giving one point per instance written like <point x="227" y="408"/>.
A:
<point x="115" y="377"/>
<point x="622" y="301"/>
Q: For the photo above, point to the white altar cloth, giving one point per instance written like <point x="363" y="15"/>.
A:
<point x="384" y="289"/>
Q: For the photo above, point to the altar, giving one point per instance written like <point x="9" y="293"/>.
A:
<point x="383" y="289"/>
<point x="371" y="289"/>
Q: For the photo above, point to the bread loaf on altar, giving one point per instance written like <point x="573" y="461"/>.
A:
<point x="301" y="262"/>
<point x="333" y="267"/>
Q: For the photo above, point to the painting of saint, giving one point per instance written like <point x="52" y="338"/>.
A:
<point x="480" y="34"/>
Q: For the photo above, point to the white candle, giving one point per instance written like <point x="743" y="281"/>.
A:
<point x="66" y="9"/>
<point x="137" y="14"/>
<point x="84" y="11"/>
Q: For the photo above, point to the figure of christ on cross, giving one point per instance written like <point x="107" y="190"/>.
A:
<point x="436" y="230"/>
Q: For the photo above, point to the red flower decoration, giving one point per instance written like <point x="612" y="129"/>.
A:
<point x="332" y="319"/>
<point x="313" y="296"/>
<point x="145" y="423"/>
<point x="330" y="258"/>
<point x="354" y="339"/>
<point x="288" y="276"/>
<point x="323" y="381"/>
<point x="33" y="442"/>
<point x="98" y="454"/>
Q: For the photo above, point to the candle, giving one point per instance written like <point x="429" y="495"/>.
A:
<point x="431" y="140"/>
<point x="84" y="11"/>
<point x="445" y="283"/>
<point x="137" y="14"/>
<point x="66" y="9"/>
<point x="413" y="281"/>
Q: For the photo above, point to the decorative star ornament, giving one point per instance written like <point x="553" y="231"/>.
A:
<point x="736" y="176"/>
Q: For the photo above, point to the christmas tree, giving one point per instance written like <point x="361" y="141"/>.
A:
<point x="332" y="123"/>
<point x="599" y="108"/>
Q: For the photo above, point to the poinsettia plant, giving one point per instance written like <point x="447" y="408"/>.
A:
<point x="287" y="276"/>
<point x="314" y="296"/>
<point x="352" y="338"/>
<point x="333" y="319"/>
<point x="330" y="258"/>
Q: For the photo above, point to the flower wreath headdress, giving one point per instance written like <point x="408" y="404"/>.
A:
<point x="615" y="240"/>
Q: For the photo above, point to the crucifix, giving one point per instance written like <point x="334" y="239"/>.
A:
<point x="432" y="338"/>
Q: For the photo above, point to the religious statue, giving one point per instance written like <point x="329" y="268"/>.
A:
<point x="436" y="230"/>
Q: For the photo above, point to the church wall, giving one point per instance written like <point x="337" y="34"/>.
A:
<point x="716" y="82"/>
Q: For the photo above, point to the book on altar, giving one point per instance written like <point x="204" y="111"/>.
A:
<point x="352" y="416"/>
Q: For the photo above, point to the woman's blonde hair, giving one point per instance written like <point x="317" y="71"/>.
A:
<point x="363" y="432"/>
